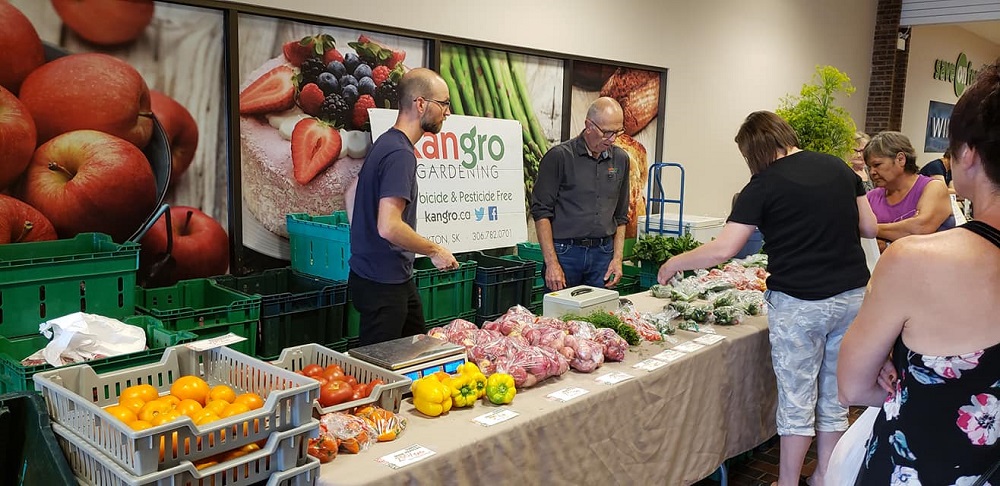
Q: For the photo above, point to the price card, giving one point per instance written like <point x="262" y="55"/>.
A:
<point x="671" y="340"/>
<point x="406" y="456"/>
<point x="613" y="378"/>
<point x="206" y="344"/>
<point x="707" y="329"/>
<point x="688" y="347"/>
<point x="709" y="340"/>
<point x="496" y="417"/>
<point x="668" y="355"/>
<point x="650" y="364"/>
<point x="567" y="394"/>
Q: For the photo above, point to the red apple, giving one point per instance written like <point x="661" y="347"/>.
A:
<point x="88" y="92"/>
<point x="182" y="131"/>
<point x="105" y="22"/>
<point x="17" y="138"/>
<point x="21" y="223"/>
<point x="89" y="181"/>
<point x="20" y="48"/>
<point x="199" y="247"/>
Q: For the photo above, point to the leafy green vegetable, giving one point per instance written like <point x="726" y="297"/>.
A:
<point x="659" y="248"/>
<point x="610" y="321"/>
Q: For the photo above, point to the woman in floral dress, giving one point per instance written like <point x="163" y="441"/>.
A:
<point x="940" y="387"/>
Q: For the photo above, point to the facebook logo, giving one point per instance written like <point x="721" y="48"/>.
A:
<point x="493" y="213"/>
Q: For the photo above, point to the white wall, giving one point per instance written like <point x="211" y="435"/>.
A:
<point x="927" y="44"/>
<point x="726" y="58"/>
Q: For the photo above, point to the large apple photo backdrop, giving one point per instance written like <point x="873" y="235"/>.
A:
<point x="305" y="91"/>
<point x="93" y="163"/>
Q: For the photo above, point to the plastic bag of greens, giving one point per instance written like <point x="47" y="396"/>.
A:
<point x="660" y="291"/>
<point x="724" y="298"/>
<point x="751" y="301"/>
<point x="728" y="315"/>
<point x="698" y="312"/>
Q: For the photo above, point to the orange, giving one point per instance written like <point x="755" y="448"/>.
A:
<point x="121" y="413"/>
<point x="222" y="392"/>
<point x="152" y="409"/>
<point x="204" y="417"/>
<point x="145" y="392"/>
<point x="165" y="417"/>
<point x="190" y="387"/>
<point x="217" y="406"/>
<point x="234" y="409"/>
<point x="134" y="404"/>
<point x="170" y="399"/>
<point x="251" y="400"/>
<point x="139" y="425"/>
<point x="188" y="407"/>
<point x="202" y="464"/>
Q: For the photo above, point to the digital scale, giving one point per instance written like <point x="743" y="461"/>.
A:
<point x="413" y="356"/>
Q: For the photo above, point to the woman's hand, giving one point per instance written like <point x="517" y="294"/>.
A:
<point x="887" y="377"/>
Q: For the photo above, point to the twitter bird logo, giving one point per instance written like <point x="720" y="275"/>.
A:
<point x="480" y="213"/>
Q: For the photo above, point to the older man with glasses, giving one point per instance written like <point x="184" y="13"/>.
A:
<point x="580" y="203"/>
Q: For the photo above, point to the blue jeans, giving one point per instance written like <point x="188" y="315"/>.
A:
<point x="584" y="265"/>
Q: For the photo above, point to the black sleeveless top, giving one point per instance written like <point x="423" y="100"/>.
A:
<point x="942" y="424"/>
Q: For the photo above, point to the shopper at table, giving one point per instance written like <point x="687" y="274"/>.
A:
<point x="580" y="203"/>
<point x="811" y="209"/>
<point x="384" y="220"/>
<point x="939" y="169"/>
<point x="940" y="420"/>
<point x="905" y="202"/>
<point x="857" y="159"/>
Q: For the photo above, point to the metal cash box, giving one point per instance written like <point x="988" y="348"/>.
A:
<point x="580" y="300"/>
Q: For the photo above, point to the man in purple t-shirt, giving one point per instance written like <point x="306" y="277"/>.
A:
<point x="384" y="219"/>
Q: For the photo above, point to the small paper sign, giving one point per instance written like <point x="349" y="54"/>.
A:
<point x="688" y="347"/>
<point x="669" y="355"/>
<point x="650" y="364"/>
<point x="406" y="456"/>
<point x="709" y="340"/>
<point x="224" y="340"/>
<point x="496" y="417"/>
<point x="613" y="378"/>
<point x="567" y="394"/>
<point x="707" y="329"/>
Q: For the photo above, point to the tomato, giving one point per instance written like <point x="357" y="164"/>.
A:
<point x="323" y="448"/>
<point x="334" y="393"/>
<point x="333" y="373"/>
<point x="121" y="413"/>
<point x="372" y="384"/>
<point x="134" y="404"/>
<point x="234" y="409"/>
<point x="359" y="393"/>
<point x="153" y="409"/>
<point x="350" y="380"/>
<point x="221" y="392"/>
<point x="188" y="407"/>
<point x="334" y="366"/>
<point x="139" y="425"/>
<point x="322" y="381"/>
<point x="217" y="406"/>
<point x="323" y="455"/>
<point x="251" y="400"/>
<point x="142" y="392"/>
<point x="312" y="370"/>
<point x="190" y="387"/>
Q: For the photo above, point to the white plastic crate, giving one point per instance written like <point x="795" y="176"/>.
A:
<point x="388" y="396"/>
<point x="75" y="396"/>
<point x="284" y="458"/>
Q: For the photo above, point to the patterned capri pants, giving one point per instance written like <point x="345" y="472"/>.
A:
<point x="805" y="342"/>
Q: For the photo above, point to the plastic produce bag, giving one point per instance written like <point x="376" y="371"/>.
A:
<point x="354" y="433"/>
<point x="727" y="315"/>
<point x="387" y="424"/>
<point x="81" y="337"/>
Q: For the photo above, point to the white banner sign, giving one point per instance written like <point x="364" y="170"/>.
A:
<point x="471" y="182"/>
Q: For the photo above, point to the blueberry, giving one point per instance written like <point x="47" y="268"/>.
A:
<point x="351" y="61"/>
<point x="349" y="92"/>
<point x="363" y="71"/>
<point x="328" y="83"/>
<point x="366" y="86"/>
<point x="347" y="79"/>
<point x="336" y="68"/>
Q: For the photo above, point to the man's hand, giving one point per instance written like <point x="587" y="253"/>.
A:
<point x="555" y="279"/>
<point x="444" y="260"/>
<point x="666" y="273"/>
<point x="614" y="273"/>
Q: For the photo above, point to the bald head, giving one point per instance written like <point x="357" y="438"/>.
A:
<point x="605" y="109"/>
<point x="419" y="82"/>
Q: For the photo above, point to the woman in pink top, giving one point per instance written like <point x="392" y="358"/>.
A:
<point x="905" y="203"/>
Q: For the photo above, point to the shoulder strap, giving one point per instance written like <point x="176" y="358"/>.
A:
<point x="986" y="231"/>
<point x="989" y="473"/>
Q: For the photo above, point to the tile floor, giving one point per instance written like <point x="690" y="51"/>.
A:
<point x="761" y="467"/>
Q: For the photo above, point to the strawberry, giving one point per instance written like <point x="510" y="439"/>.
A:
<point x="380" y="74"/>
<point x="396" y="58"/>
<point x="310" y="99"/>
<point x="332" y="55"/>
<point x="315" y="146"/>
<point x="377" y="52"/>
<point x="359" y="116"/>
<point x="274" y="91"/>
<point x="310" y="46"/>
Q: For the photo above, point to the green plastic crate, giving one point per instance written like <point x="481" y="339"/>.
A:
<point x="296" y="308"/>
<point x="469" y="316"/>
<point x="445" y="294"/>
<point x="16" y="377"/>
<point x="501" y="284"/>
<point x="31" y="453"/>
<point x="48" y="279"/>
<point x="352" y="321"/>
<point x="205" y="308"/>
<point x="530" y="251"/>
<point x="320" y="245"/>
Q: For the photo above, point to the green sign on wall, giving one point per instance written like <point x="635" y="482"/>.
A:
<point x="959" y="73"/>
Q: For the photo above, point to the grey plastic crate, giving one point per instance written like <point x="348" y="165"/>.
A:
<point x="76" y="395"/>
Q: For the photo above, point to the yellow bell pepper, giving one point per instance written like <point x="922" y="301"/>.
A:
<point x="478" y="378"/>
<point x="430" y="396"/>
<point x="463" y="390"/>
<point x="500" y="388"/>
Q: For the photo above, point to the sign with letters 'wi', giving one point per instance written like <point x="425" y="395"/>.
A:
<point x="938" y="117"/>
<point x="470" y="178"/>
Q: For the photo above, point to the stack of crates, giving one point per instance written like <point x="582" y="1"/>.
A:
<point x="296" y="308"/>
<point x="31" y="453"/>
<point x="533" y="252"/>
<point x="44" y="280"/>
<point x="500" y="284"/>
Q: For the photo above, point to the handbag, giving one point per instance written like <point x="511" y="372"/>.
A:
<point x="986" y="475"/>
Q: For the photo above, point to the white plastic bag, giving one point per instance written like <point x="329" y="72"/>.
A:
<point x="847" y="456"/>
<point x="81" y="337"/>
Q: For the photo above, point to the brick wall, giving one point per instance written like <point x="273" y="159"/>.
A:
<point x="888" y="76"/>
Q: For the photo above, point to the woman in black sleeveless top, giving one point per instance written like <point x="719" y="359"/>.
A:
<point x="940" y="417"/>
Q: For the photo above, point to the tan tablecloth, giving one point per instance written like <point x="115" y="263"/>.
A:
<point x="674" y="425"/>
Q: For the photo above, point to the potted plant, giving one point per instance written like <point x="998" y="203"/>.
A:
<point x="821" y="125"/>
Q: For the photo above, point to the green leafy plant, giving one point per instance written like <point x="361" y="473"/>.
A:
<point x="658" y="248"/>
<point x="821" y="125"/>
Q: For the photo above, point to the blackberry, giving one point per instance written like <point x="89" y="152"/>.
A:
<point x="312" y="68"/>
<point x="387" y="95"/>
<point x="335" y="109"/>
